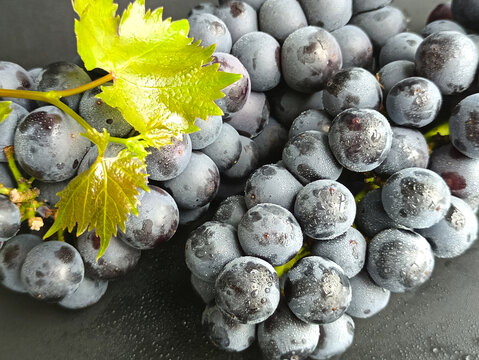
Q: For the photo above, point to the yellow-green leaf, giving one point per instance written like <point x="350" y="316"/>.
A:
<point x="161" y="80"/>
<point x="5" y="110"/>
<point x="101" y="197"/>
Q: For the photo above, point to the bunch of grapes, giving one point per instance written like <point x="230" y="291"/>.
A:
<point x="338" y="186"/>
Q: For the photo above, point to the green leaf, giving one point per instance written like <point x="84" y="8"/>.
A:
<point x="101" y="197"/>
<point x="161" y="80"/>
<point x="5" y="110"/>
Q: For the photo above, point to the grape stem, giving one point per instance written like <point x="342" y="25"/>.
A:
<point x="17" y="175"/>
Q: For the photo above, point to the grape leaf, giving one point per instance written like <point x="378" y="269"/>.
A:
<point x="101" y="197"/>
<point x="159" y="74"/>
<point x="5" y="110"/>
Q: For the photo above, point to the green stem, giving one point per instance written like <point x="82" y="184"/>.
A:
<point x="4" y="190"/>
<point x="25" y="94"/>
<point x="66" y="109"/>
<point x="83" y="88"/>
<point x="10" y="155"/>
<point x="440" y="130"/>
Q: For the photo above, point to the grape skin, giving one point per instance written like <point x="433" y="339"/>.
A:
<point x="317" y="120"/>
<point x="209" y="131"/>
<point x="210" y="30"/>
<point x="441" y="25"/>
<point x="330" y="15"/>
<point x="280" y="18"/>
<point x="270" y="142"/>
<point x="226" y="150"/>
<point x="402" y="46"/>
<point x="10" y="219"/>
<point x="239" y="17"/>
<point x="204" y="289"/>
<point x="390" y="74"/>
<point x="247" y="162"/>
<point x="88" y="293"/>
<point x="356" y="46"/>
<point x="335" y="338"/>
<point x="8" y="126"/>
<point x="13" y="76"/>
<point x="464" y="126"/>
<point x="231" y="210"/>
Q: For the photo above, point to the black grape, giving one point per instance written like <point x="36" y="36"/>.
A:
<point x="231" y="210"/>
<point x="356" y="46"/>
<point x="8" y="126"/>
<point x="317" y="120"/>
<point x="368" y="5"/>
<point x="225" y="151"/>
<point x="390" y="74"/>
<point x="206" y="7"/>
<point x="210" y="29"/>
<point x="270" y="142"/>
<point x="466" y="12"/>
<point x="15" y="77"/>
<point x="441" y="25"/>
<point x="239" y="17"/>
<point x="209" y="131"/>
<point x="335" y="338"/>
<point x="6" y="177"/>
<point x="401" y="46"/>
<point x="247" y="162"/>
<point x="10" y="219"/>
<point x="112" y="150"/>
<point x="190" y="216"/>
<point x="464" y="126"/>
<point x="88" y="293"/>
<point x="280" y="18"/>
<point x="204" y="289"/>
<point x="330" y="15"/>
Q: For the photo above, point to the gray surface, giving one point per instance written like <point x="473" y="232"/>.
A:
<point x="152" y="313"/>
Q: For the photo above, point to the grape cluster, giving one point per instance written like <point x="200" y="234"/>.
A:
<point x="333" y="97"/>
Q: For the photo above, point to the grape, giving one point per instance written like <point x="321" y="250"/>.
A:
<point x="88" y="293"/>
<point x="441" y="11"/>
<point x="13" y="76"/>
<point x="310" y="56"/>
<point x="368" y="298"/>
<point x="118" y="259"/>
<point x="335" y="338"/>
<point x="454" y="234"/>
<point x="270" y="232"/>
<point x="247" y="162"/>
<point x="63" y="75"/>
<point x="209" y="131"/>
<point x="449" y="59"/>
<point x="205" y="289"/>
<point x="308" y="156"/>
<point x="317" y="290"/>
<point x="381" y="24"/>
<point x="210" y="30"/>
<point x="279" y="18"/>
<point x="6" y="177"/>
<point x="348" y="250"/>
<point x="239" y="17"/>
<point x="414" y="102"/>
<point x="466" y="12"/>
<point x="252" y="118"/>
<point x="401" y="46"/>
<point x="209" y="248"/>
<point x="317" y="120"/>
<point x="48" y="144"/>
<point x="360" y="139"/>
<point x="409" y="149"/>
<point x="390" y="74"/>
<point x="330" y="15"/>
<point x="230" y="187"/>
<point x="12" y="256"/>
<point x="203" y="8"/>
<point x="371" y="217"/>
<point x="247" y="290"/>
<point x="52" y="270"/>
<point x="237" y="93"/>
<point x="270" y="142"/>
<point x="368" y="5"/>
<point x="169" y="161"/>
<point x="8" y="126"/>
<point x="255" y="4"/>
<point x="342" y="93"/>
<point x="225" y="151"/>
<point x="189" y="216"/>
<point x="464" y="126"/>
<point x="283" y="336"/>
<point x="197" y="185"/>
<point x="49" y="191"/>
<point x="325" y="209"/>
<point x="231" y="210"/>
<point x="111" y="151"/>
<point x="259" y="52"/>
<point x="271" y="184"/>
<point x="441" y="25"/>
<point x="156" y="222"/>
<point x="416" y="197"/>
<point x="224" y="332"/>
<point x="356" y="47"/>
<point x="458" y="171"/>
<point x="101" y="115"/>
<point x="10" y="219"/>
<point x="399" y="260"/>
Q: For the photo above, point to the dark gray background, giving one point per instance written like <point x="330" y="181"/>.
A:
<point x="153" y="314"/>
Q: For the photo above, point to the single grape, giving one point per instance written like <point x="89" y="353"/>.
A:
<point x="330" y="15"/>
<point x="441" y="25"/>
<point x="205" y="289"/>
<point x="197" y="185"/>
<point x="48" y="144"/>
<point x="466" y="12"/>
<point x="52" y="270"/>
<point x="210" y="29"/>
<point x="325" y="209"/>
<point x="464" y="126"/>
<point x="317" y="120"/>
<point x="284" y="336"/>
<point x="12" y="257"/>
<point x="401" y="46"/>
<point x="226" y="333"/>
<point x="317" y="290"/>
<point x="226" y="150"/>
<point x="270" y="142"/>
<point x="209" y="131"/>
<point x="118" y="259"/>
<point x="368" y="298"/>
<point x="8" y="126"/>
<point x="368" y="5"/>
<point x="310" y="56"/>
<point x="247" y="162"/>
<point x="356" y="46"/>
<point x="399" y="260"/>
<point x="390" y="74"/>
<point x="10" y="219"/>
<point x="49" y="191"/>
<point x="247" y="290"/>
<point x="348" y="250"/>
<point x="441" y="11"/>
<point x="279" y="18"/>
<point x="88" y="293"/>
<point x="335" y="338"/>
<point x="231" y="210"/>
<point x="360" y="139"/>
<point x="15" y="77"/>
<point x="239" y="17"/>
<point x="454" y="234"/>
<point x="156" y="222"/>
<point x="6" y="177"/>
<point x="415" y="197"/>
<point x="270" y="232"/>
<point x="309" y="157"/>
<point x="209" y="248"/>
<point x="111" y="151"/>
<point x="169" y="161"/>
